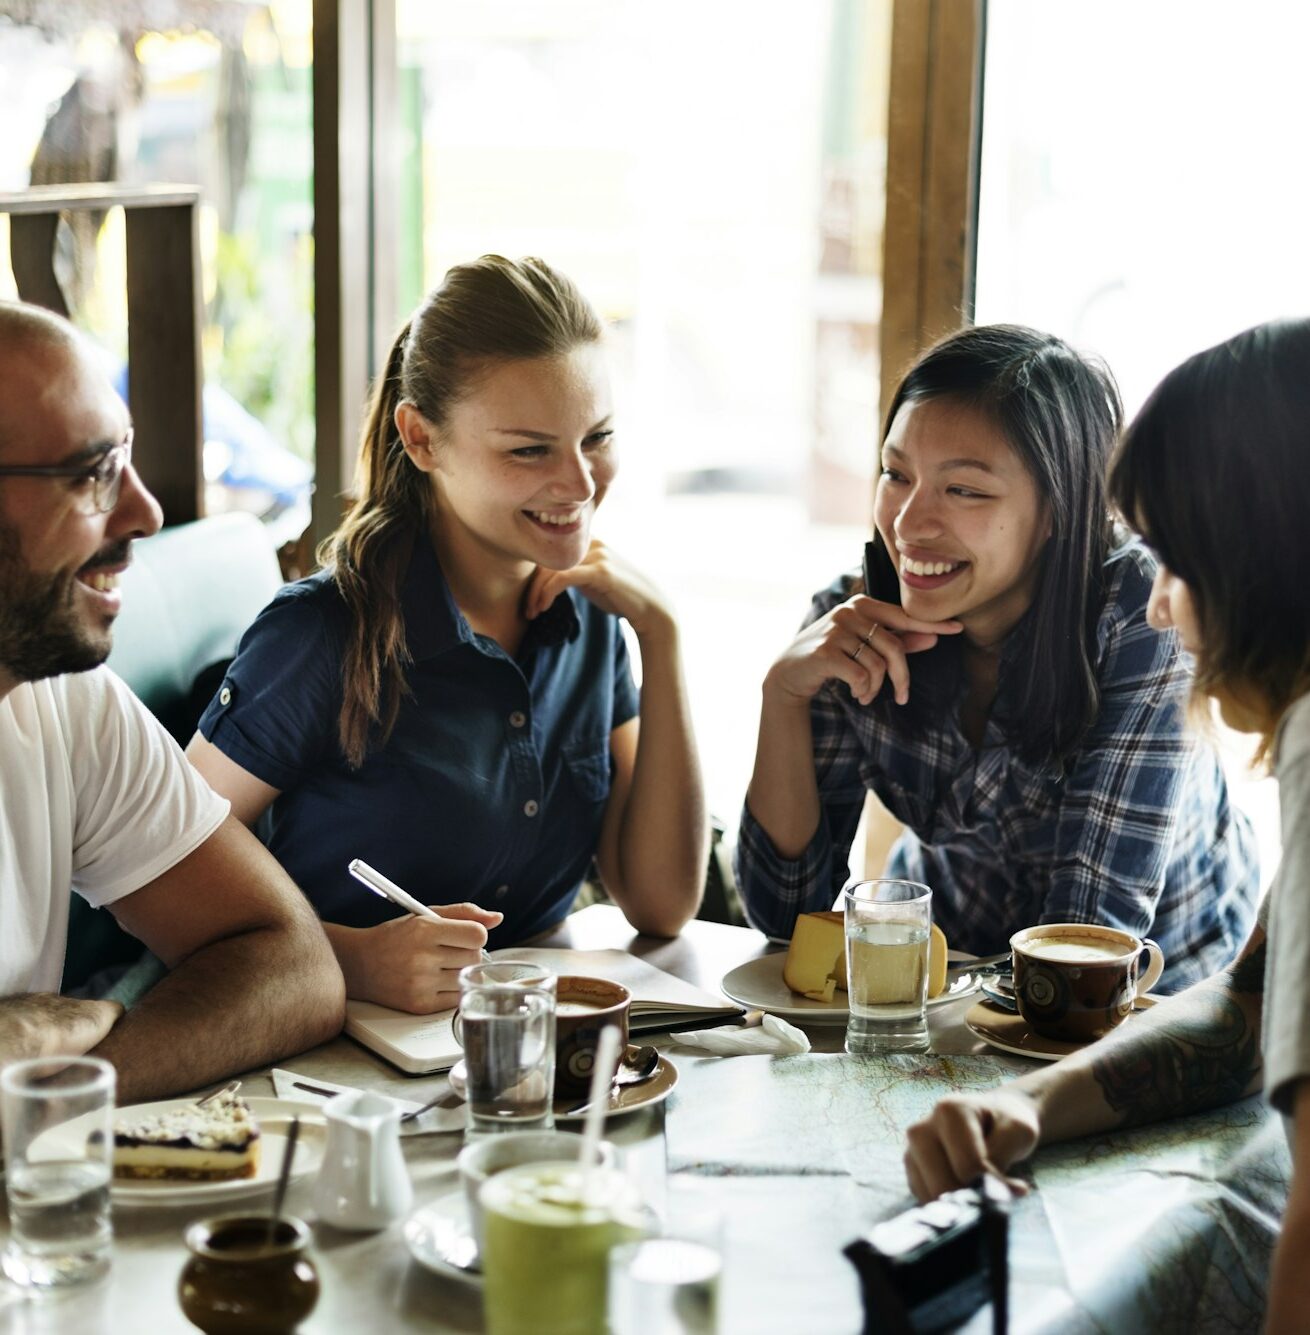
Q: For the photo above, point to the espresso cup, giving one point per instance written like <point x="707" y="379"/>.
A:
<point x="1076" y="981"/>
<point x="583" y="1007"/>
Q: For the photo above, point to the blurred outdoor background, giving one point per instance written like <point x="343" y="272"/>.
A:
<point x="712" y="175"/>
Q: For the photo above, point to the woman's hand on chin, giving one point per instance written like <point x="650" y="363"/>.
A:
<point x="412" y="964"/>
<point x="862" y="642"/>
<point x="612" y="584"/>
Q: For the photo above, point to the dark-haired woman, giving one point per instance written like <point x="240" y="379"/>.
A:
<point x="450" y="698"/>
<point x="1215" y="473"/>
<point x="998" y="687"/>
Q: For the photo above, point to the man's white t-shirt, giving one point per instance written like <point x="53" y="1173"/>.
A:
<point x="95" y="797"/>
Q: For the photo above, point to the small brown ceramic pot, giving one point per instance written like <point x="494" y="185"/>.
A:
<point x="236" y="1282"/>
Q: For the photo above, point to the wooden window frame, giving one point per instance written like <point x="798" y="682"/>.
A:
<point x="930" y="236"/>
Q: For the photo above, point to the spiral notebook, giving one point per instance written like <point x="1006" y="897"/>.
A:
<point x="422" y="1044"/>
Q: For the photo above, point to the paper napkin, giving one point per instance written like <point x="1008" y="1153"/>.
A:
<point x="291" y="1085"/>
<point x="771" y="1037"/>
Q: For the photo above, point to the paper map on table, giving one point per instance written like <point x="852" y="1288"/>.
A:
<point x="1166" y="1228"/>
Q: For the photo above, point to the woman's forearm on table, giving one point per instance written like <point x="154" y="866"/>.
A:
<point x="783" y="794"/>
<point x="663" y="842"/>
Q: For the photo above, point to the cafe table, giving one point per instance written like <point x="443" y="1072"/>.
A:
<point x="1158" y="1229"/>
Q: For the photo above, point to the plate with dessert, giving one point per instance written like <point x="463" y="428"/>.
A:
<point x="180" y="1152"/>
<point x="808" y="983"/>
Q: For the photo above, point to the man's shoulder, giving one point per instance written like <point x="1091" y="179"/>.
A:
<point x="89" y="703"/>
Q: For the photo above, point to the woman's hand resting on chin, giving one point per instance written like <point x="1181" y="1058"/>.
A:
<point x="862" y="642"/>
<point x="611" y="583"/>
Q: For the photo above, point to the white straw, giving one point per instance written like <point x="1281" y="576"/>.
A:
<point x="602" y="1077"/>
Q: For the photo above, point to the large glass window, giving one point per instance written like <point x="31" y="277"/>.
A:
<point x="214" y="94"/>
<point x="712" y="175"/>
<point x="1142" y="190"/>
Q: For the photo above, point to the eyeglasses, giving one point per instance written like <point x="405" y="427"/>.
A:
<point x="104" y="478"/>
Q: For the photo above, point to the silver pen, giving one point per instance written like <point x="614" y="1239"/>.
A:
<point x="388" y="889"/>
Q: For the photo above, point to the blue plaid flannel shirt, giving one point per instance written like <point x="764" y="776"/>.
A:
<point x="1138" y="832"/>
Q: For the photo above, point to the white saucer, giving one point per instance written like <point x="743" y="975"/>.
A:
<point x="628" y="1098"/>
<point x="758" y="985"/>
<point x="440" y="1238"/>
<point x="1009" y="1032"/>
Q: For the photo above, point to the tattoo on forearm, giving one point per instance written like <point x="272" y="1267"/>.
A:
<point x="1248" y="975"/>
<point x="1207" y="1055"/>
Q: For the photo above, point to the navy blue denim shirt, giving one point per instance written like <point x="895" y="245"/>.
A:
<point x="493" y="783"/>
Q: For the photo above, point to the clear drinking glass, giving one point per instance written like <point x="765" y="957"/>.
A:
<point x="887" y="928"/>
<point x="59" y="1148"/>
<point x="506" y="1026"/>
<point x="668" y="1284"/>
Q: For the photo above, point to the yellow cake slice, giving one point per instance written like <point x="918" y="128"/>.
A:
<point x="215" y="1142"/>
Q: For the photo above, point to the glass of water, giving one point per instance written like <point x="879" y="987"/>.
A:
<point x="506" y="1026"/>
<point x="59" y="1150"/>
<point x="668" y="1284"/>
<point x="887" y="929"/>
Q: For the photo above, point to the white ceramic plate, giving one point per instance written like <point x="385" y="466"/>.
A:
<point x="440" y="1238"/>
<point x="274" y="1116"/>
<point x="758" y="985"/>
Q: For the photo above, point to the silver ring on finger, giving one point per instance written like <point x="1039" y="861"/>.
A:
<point x="860" y="648"/>
<point x="873" y="630"/>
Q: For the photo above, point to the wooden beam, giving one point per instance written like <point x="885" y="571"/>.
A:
<point x="165" y="371"/>
<point x="32" y="258"/>
<point x="934" y="122"/>
<point x="62" y="198"/>
<point x="354" y="229"/>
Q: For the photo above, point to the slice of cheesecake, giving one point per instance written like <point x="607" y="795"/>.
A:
<point x="816" y="957"/>
<point x="211" y="1143"/>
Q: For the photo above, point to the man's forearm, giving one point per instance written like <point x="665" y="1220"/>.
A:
<point x="237" y="1003"/>
<point x="45" y="1024"/>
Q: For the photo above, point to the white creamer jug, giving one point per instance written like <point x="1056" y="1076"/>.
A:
<point x="363" y="1183"/>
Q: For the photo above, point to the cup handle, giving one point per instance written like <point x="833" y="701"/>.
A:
<point x="1153" y="970"/>
<point x="457" y="1028"/>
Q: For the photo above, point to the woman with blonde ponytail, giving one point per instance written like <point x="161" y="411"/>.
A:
<point x="450" y="697"/>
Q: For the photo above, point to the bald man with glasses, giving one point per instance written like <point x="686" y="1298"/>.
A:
<point x="95" y="798"/>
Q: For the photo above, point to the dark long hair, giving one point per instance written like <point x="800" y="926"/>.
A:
<point x="1214" y="472"/>
<point x="492" y="310"/>
<point x="1060" y="412"/>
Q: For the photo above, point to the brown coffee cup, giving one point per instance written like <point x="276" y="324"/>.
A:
<point x="1076" y="981"/>
<point x="583" y="1007"/>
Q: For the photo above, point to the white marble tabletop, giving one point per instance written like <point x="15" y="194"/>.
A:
<point x="801" y="1153"/>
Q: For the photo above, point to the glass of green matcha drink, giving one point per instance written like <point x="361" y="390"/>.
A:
<point x="549" y="1228"/>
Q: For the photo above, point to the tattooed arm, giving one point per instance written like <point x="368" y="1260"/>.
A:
<point x="1197" y="1050"/>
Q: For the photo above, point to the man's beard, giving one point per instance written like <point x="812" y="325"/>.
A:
<point x="40" y="635"/>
